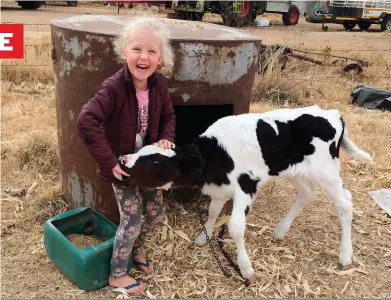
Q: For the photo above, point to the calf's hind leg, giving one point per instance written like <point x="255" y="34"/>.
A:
<point x="305" y="191"/>
<point x="342" y="200"/>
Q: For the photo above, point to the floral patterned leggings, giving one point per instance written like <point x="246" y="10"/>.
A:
<point x="131" y="234"/>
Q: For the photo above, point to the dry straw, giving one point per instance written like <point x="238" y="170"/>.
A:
<point x="305" y="264"/>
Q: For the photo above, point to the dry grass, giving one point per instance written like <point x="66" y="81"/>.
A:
<point x="305" y="264"/>
<point x="29" y="149"/>
<point x="305" y="83"/>
<point x="35" y="67"/>
<point x="84" y="241"/>
<point x="272" y="86"/>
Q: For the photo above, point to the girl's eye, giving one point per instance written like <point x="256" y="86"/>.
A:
<point x="152" y="51"/>
<point x="136" y="49"/>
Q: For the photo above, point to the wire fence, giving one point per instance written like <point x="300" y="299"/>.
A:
<point x="250" y="28"/>
<point x="324" y="53"/>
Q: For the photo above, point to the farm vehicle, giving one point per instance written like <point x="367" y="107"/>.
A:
<point x="239" y="13"/>
<point x="38" y="4"/>
<point x="359" y="12"/>
<point x="233" y="13"/>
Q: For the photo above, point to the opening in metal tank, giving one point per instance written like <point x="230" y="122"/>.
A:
<point x="191" y="121"/>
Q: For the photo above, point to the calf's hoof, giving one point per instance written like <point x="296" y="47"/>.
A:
<point x="278" y="236"/>
<point x="201" y="240"/>
<point x="248" y="273"/>
<point x="280" y="230"/>
<point x="345" y="259"/>
<point x="347" y="267"/>
<point x="252" y="279"/>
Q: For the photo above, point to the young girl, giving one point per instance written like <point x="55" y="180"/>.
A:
<point x="132" y="108"/>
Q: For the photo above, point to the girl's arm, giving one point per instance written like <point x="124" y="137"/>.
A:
<point x="167" y="118"/>
<point x="89" y="122"/>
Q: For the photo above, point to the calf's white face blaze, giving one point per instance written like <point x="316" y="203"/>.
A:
<point x="146" y="151"/>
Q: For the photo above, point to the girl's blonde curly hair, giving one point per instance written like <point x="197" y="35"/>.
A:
<point x="166" y="52"/>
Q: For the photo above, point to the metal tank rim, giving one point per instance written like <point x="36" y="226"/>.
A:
<point x="216" y="33"/>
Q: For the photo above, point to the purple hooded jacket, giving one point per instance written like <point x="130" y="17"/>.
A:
<point x="108" y="122"/>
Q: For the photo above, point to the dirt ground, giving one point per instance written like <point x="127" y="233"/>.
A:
<point x="305" y="33"/>
<point x="305" y="264"/>
<point x="11" y="12"/>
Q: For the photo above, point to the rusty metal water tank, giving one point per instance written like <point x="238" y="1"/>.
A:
<point x="213" y="77"/>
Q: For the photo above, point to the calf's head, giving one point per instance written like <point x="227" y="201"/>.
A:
<point x="154" y="167"/>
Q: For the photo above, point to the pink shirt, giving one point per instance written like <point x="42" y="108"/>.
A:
<point x="142" y="124"/>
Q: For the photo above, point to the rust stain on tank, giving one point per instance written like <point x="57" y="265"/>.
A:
<point x="213" y="65"/>
<point x="231" y="54"/>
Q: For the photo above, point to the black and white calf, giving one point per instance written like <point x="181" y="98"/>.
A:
<point x="238" y="154"/>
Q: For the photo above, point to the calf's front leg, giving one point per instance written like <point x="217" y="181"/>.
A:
<point x="237" y="227"/>
<point x="215" y="208"/>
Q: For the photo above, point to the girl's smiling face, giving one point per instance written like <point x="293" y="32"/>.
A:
<point x="142" y="53"/>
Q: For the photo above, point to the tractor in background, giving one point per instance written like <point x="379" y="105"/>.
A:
<point x="38" y="4"/>
<point x="238" y="13"/>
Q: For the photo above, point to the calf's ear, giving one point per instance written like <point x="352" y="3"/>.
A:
<point x="123" y="161"/>
<point x="190" y="164"/>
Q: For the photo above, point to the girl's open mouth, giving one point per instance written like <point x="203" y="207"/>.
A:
<point x="142" y="68"/>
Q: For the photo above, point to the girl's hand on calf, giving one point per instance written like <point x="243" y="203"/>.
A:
<point x="166" y="144"/>
<point x="117" y="169"/>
